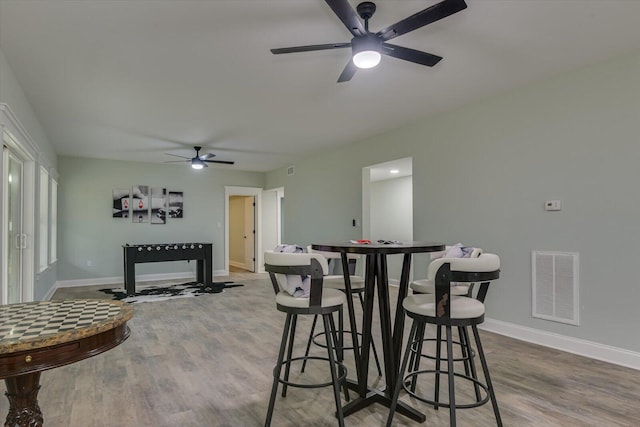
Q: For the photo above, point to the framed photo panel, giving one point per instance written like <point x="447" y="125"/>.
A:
<point x="121" y="201"/>
<point x="158" y="205"/>
<point x="176" y="204"/>
<point x="140" y="203"/>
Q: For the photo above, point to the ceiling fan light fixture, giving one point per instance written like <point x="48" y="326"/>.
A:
<point x="366" y="59"/>
<point x="366" y="51"/>
<point x="197" y="164"/>
<point x="367" y="47"/>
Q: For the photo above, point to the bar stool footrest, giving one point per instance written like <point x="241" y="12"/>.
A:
<point x="345" y="332"/>
<point x="342" y="372"/>
<point x="413" y="376"/>
<point x="470" y="356"/>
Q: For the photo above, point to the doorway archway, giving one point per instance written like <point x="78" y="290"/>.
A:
<point x="256" y="193"/>
<point x="387" y="205"/>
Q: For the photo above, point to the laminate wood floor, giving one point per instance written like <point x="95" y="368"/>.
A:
<point x="208" y="361"/>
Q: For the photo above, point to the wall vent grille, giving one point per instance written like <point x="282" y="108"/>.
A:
<point x="291" y="170"/>
<point x="555" y="286"/>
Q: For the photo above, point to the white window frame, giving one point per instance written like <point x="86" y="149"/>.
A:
<point x="43" y="228"/>
<point x="53" y="226"/>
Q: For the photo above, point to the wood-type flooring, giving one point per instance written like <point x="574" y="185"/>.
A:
<point x="207" y="361"/>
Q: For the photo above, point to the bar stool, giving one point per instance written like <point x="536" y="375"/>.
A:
<point x="427" y="286"/>
<point x="444" y="309"/>
<point x="337" y="282"/>
<point x="322" y="302"/>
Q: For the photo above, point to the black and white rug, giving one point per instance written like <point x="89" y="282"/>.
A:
<point x="162" y="293"/>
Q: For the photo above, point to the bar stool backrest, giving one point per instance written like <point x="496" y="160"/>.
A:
<point x="475" y="253"/>
<point x="279" y="265"/>
<point x="443" y="271"/>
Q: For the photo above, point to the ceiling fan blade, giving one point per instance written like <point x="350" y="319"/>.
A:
<point x="175" y="155"/>
<point x="410" y="55"/>
<point x="348" y="72"/>
<point x="422" y="18"/>
<point x="348" y="16"/>
<point x="224" y="162"/>
<point x="309" y="48"/>
<point x="207" y="156"/>
<point x="177" y="161"/>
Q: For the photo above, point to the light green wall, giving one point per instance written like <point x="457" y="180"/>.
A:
<point x="322" y="198"/>
<point x="89" y="233"/>
<point x="481" y="174"/>
<point x="12" y="94"/>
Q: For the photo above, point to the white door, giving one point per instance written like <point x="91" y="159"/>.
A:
<point x="14" y="239"/>
<point x="255" y="193"/>
<point x="271" y="223"/>
<point x="249" y="232"/>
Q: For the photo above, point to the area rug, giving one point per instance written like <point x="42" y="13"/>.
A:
<point x="163" y="293"/>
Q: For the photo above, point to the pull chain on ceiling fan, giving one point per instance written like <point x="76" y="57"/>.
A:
<point x="367" y="48"/>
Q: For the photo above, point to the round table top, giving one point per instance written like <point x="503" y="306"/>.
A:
<point x="380" y="248"/>
<point x="34" y="325"/>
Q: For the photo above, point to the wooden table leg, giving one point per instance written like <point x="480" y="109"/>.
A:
<point x="22" y="392"/>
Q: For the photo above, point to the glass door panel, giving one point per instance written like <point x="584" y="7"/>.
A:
<point x="14" y="237"/>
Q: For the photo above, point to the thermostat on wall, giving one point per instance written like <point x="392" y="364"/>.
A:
<point x="553" y="205"/>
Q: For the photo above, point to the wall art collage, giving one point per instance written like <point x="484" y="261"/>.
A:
<point x="144" y="204"/>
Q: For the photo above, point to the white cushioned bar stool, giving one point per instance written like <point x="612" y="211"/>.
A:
<point x="337" y="282"/>
<point x="427" y="286"/>
<point x="444" y="309"/>
<point x="321" y="301"/>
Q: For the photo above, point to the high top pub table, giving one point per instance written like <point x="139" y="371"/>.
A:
<point x="43" y="335"/>
<point x="376" y="277"/>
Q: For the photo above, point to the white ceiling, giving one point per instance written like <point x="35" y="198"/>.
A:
<point x="398" y="168"/>
<point x="134" y="79"/>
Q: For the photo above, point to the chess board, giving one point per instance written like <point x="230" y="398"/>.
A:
<point x="33" y="320"/>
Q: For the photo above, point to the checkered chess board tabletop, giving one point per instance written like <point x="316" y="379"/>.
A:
<point x="33" y="320"/>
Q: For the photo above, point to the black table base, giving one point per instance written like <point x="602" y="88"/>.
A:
<point x="377" y="284"/>
<point x="383" y="398"/>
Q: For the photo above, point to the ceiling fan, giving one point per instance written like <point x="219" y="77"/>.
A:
<point x="199" y="162"/>
<point x="367" y="47"/>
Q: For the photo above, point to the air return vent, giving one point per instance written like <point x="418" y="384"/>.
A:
<point x="291" y="170"/>
<point x="555" y="286"/>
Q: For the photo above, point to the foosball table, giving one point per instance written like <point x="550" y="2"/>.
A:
<point x="160" y="252"/>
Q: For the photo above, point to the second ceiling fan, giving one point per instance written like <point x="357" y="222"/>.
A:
<point x="199" y="161"/>
<point x="367" y="47"/>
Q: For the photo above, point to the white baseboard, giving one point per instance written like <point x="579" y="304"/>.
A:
<point x="241" y="265"/>
<point x="50" y="292"/>
<point x="118" y="279"/>
<point x="593" y="350"/>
